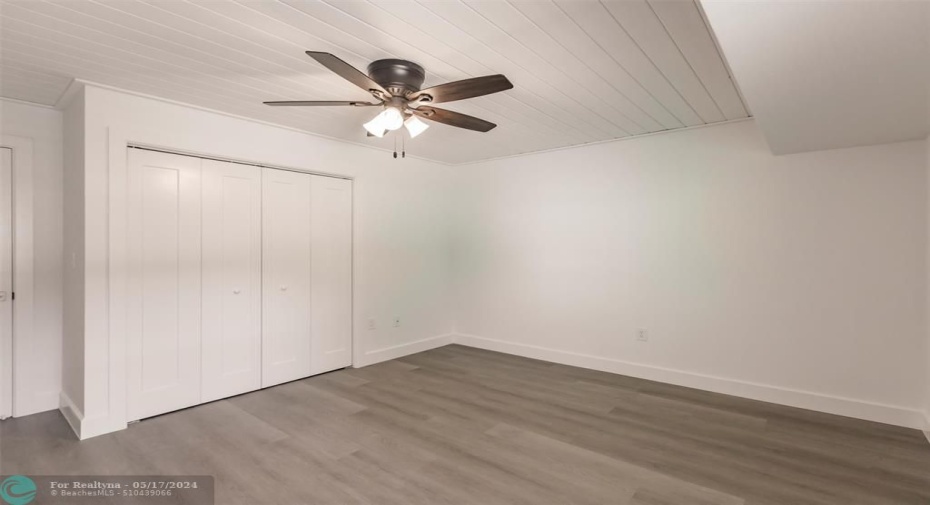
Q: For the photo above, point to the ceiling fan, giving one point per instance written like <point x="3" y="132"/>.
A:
<point x="395" y="84"/>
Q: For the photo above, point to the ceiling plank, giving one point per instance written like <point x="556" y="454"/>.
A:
<point x="564" y="68"/>
<point x="640" y="22"/>
<point x="687" y="28"/>
<point x="599" y="25"/>
<point x="576" y="104"/>
<point x="562" y="29"/>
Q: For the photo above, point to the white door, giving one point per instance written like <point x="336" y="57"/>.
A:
<point x="6" y="282"/>
<point x="331" y="253"/>
<point x="163" y="341"/>
<point x="232" y="279"/>
<point x="285" y="276"/>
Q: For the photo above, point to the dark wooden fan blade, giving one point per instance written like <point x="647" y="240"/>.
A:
<point x="468" y="88"/>
<point x="454" y="119"/>
<point x="300" y="103"/>
<point x="347" y="72"/>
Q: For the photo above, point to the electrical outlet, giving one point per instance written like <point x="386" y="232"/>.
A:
<point x="371" y="324"/>
<point x="642" y="335"/>
<point x="396" y="321"/>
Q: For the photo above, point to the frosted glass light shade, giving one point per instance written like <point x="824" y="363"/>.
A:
<point x="415" y="126"/>
<point x="392" y="118"/>
<point x="376" y="126"/>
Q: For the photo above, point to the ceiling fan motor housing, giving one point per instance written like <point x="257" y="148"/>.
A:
<point x="398" y="77"/>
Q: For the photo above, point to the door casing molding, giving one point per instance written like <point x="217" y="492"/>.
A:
<point x="23" y="272"/>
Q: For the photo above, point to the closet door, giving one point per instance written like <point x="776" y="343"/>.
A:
<point x="285" y="276"/>
<point x="331" y="252"/>
<point x="163" y="341"/>
<point x="232" y="279"/>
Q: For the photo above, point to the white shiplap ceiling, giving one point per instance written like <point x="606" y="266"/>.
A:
<point x="583" y="71"/>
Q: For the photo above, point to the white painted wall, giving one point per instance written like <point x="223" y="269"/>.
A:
<point x="38" y="366"/>
<point x="72" y="370"/>
<point x="401" y="234"/>
<point x="796" y="279"/>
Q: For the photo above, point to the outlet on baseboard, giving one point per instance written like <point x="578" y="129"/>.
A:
<point x="642" y="335"/>
<point x="396" y="321"/>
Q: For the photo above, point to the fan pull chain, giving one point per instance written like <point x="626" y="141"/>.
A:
<point x="395" y="146"/>
<point x="403" y="145"/>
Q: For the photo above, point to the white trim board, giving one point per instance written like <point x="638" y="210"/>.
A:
<point x="6" y="339"/>
<point x="401" y="350"/>
<point x="25" y="399"/>
<point x="888" y="414"/>
<point x="83" y="426"/>
<point x="927" y="425"/>
<point x="237" y="161"/>
<point x="71" y="413"/>
<point x="606" y="141"/>
<point x="26" y="102"/>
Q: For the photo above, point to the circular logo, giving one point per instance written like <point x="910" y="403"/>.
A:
<point x="18" y="490"/>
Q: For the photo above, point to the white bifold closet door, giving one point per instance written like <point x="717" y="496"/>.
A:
<point x="240" y="278"/>
<point x="307" y="258"/>
<point x="286" y="271"/>
<point x="232" y="279"/>
<point x="331" y="271"/>
<point x="164" y="291"/>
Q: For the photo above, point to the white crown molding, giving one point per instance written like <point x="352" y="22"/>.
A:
<point x="609" y="141"/>
<point x="26" y="102"/>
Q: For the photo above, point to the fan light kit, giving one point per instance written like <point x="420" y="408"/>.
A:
<point x="395" y="84"/>
<point x="390" y="119"/>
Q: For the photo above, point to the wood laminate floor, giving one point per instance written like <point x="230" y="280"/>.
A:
<point x="458" y="425"/>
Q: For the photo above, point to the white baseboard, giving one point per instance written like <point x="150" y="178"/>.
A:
<point x="86" y="427"/>
<point x="889" y="414"/>
<point x="100" y="425"/>
<point x="927" y="425"/>
<point x="72" y="414"/>
<point x="399" y="351"/>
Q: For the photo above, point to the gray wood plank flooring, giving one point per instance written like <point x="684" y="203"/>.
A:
<point x="463" y="426"/>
